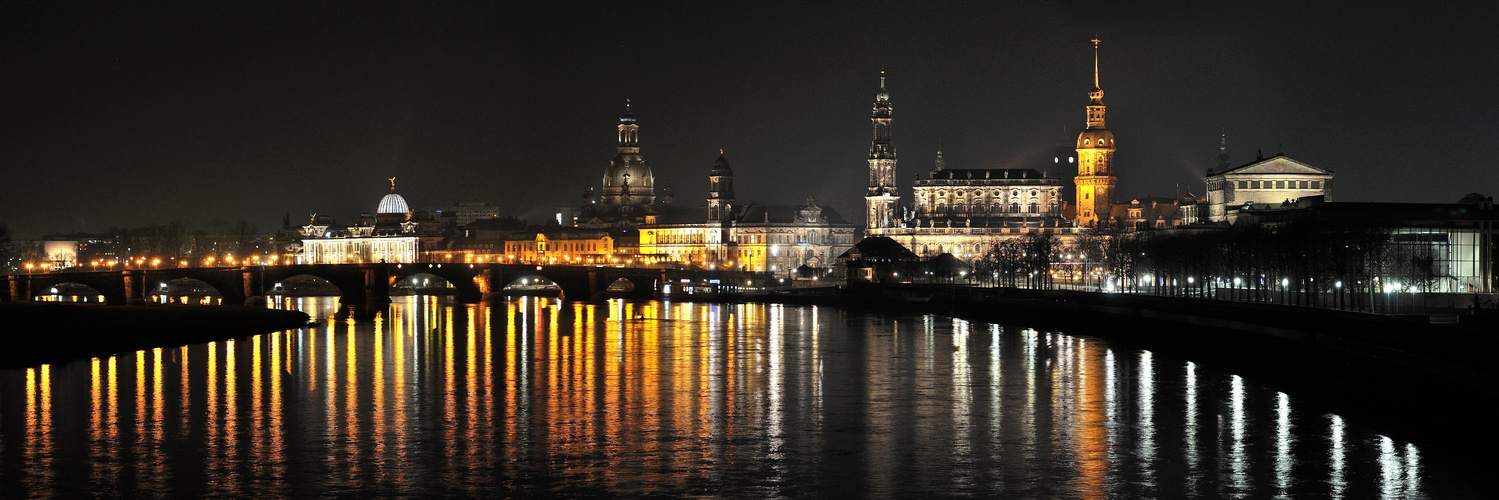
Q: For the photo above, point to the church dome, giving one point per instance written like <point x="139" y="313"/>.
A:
<point x="721" y="167"/>
<point x="1095" y="138"/>
<point x="393" y="204"/>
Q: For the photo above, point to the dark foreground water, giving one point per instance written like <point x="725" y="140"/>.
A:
<point x="537" y="398"/>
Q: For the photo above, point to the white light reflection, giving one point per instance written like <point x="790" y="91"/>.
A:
<point x="1412" y="469"/>
<point x="1283" y="460"/>
<point x="1190" y="431"/>
<point x="1238" y="462"/>
<point x="1336" y="455"/>
<point x="1147" y="422"/>
<point x="962" y="437"/>
<point x="996" y="385"/>
<point x="776" y="414"/>
<point x="1389" y="469"/>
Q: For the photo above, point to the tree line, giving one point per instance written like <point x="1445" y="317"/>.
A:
<point x="1307" y="262"/>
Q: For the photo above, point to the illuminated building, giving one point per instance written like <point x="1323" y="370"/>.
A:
<point x="1095" y="159"/>
<point x="560" y="246"/>
<point x="1263" y="184"/>
<point x="753" y="237"/>
<point x="957" y="211"/>
<point x="391" y="237"/>
<point x="882" y="197"/>
<point x="1428" y="247"/>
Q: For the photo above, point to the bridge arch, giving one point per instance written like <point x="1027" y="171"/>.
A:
<point x="465" y="278"/>
<point x="185" y="290"/>
<point x="69" y="291"/>
<point x="532" y="284"/>
<point x="302" y="285"/>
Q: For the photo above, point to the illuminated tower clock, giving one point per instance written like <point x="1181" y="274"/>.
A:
<point x="882" y="197"/>
<point x="1095" y="160"/>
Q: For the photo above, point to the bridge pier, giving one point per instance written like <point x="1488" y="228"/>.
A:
<point x="20" y="288"/>
<point x="376" y="290"/>
<point x="254" y="286"/>
<point x="492" y="285"/>
<point x="135" y="287"/>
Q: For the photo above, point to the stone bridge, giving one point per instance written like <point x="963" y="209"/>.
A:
<point x="363" y="288"/>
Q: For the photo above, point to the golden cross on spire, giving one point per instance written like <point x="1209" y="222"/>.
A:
<point x="1095" y="61"/>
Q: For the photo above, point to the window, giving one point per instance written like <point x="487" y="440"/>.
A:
<point x="1316" y="184"/>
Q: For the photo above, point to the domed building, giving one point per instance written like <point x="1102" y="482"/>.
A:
<point x="628" y="194"/>
<point x="392" y="238"/>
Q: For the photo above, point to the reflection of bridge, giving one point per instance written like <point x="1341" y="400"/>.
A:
<point x="363" y="288"/>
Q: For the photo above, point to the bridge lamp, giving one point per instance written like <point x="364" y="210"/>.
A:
<point x="1339" y="284"/>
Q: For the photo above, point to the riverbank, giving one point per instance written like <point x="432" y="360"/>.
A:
<point x="34" y="334"/>
<point x="1408" y="374"/>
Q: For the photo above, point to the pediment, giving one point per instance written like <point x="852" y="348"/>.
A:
<point x="1279" y="165"/>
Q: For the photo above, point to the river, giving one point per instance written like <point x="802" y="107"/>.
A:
<point x="533" y="397"/>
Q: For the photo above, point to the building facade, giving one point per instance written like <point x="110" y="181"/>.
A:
<point x="561" y="246"/>
<point x="1262" y="184"/>
<point x="753" y="237"/>
<point x="389" y="236"/>
<point x="965" y="212"/>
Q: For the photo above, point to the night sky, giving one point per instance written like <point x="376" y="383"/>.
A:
<point x="126" y="114"/>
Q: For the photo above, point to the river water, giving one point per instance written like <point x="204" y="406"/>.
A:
<point x="534" y="397"/>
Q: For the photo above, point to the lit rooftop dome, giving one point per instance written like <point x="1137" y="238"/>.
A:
<point x="393" y="203"/>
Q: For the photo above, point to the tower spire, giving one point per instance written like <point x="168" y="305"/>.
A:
<point x="1095" y="62"/>
<point x="882" y="197"/>
<point x="1095" y="159"/>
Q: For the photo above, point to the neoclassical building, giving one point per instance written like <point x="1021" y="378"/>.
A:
<point x="1262" y="184"/>
<point x="389" y="237"/>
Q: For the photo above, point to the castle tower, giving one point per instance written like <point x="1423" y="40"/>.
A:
<point x="881" y="198"/>
<point x="720" y="190"/>
<point x="1095" y="160"/>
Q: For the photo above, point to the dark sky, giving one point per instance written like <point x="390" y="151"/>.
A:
<point x="125" y="114"/>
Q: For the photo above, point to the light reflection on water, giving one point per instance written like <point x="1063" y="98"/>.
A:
<point x="536" y="397"/>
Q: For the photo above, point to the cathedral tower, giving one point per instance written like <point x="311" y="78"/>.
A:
<point x="629" y="189"/>
<point x="881" y="199"/>
<point x="1095" y="160"/>
<point x="720" y="190"/>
